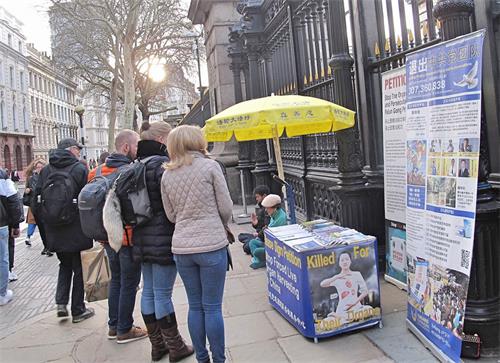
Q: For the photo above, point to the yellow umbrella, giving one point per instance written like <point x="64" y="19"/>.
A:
<point x="269" y="117"/>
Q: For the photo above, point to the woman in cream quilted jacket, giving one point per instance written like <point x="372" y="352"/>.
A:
<point x="196" y="198"/>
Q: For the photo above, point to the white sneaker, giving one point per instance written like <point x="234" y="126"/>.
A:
<point x="12" y="276"/>
<point x="6" y="298"/>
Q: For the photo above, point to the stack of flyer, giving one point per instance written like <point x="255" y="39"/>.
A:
<point x="317" y="234"/>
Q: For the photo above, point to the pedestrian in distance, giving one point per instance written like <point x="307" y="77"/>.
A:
<point x="32" y="177"/>
<point x="11" y="215"/>
<point x="152" y="243"/>
<point x="197" y="200"/>
<point x="259" y="219"/>
<point x="56" y="195"/>
<point x="102" y="159"/>
<point x="125" y="272"/>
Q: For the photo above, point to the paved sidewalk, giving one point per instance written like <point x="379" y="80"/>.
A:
<point x="254" y="331"/>
<point x="34" y="290"/>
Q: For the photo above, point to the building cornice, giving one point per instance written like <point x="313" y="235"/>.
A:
<point x="16" y="54"/>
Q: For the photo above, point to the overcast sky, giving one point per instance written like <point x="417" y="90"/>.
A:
<point x="33" y="14"/>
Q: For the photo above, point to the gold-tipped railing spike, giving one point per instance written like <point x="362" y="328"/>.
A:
<point x="305" y="79"/>
<point x="322" y="73"/>
<point x="387" y="46"/>
<point x="377" y="51"/>
<point x="329" y="71"/>
<point x="425" y="31"/>
<point x="399" y="43"/>
<point x="411" y="39"/>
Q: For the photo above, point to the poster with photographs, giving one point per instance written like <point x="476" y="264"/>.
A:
<point x="344" y="288"/>
<point x="443" y="126"/>
<point x="395" y="173"/>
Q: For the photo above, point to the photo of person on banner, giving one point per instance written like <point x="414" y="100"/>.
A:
<point x="344" y="288"/>
<point x="351" y="288"/>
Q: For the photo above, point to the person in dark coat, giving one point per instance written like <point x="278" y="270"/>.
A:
<point x="67" y="240"/>
<point x="153" y="247"/>
<point x="259" y="219"/>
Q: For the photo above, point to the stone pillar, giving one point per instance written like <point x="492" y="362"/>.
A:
<point x="262" y="167"/>
<point x="245" y="165"/>
<point x="482" y="314"/>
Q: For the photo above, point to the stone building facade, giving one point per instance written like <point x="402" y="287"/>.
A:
<point x="16" y="148"/>
<point x="52" y="100"/>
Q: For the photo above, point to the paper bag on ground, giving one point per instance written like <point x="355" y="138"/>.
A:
<point x="96" y="273"/>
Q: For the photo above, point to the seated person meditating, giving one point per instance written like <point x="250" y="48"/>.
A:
<point x="259" y="219"/>
<point x="272" y="203"/>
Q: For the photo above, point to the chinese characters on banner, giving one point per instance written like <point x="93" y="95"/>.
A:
<point x="394" y="111"/>
<point x="443" y="124"/>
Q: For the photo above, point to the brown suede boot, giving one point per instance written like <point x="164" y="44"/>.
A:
<point x="158" y="346"/>
<point x="177" y="348"/>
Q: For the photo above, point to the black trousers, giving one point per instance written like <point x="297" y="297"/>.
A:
<point x="12" y="246"/>
<point x="41" y="229"/>
<point x="70" y="268"/>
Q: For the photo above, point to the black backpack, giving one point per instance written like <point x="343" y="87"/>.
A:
<point x="57" y="199"/>
<point x="131" y="189"/>
<point x="91" y="203"/>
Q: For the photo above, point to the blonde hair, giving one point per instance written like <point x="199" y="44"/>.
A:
<point x="154" y="130"/>
<point x="182" y="142"/>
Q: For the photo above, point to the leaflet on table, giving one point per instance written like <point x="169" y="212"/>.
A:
<point x="328" y="235"/>
<point x="443" y="127"/>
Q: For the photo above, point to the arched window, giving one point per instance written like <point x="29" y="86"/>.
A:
<point x="19" y="158"/>
<point x="6" y="156"/>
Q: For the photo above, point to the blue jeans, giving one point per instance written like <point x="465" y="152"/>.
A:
<point x="204" y="275"/>
<point x="157" y="291"/>
<point x="4" y="259"/>
<point x="125" y="277"/>
<point x="31" y="229"/>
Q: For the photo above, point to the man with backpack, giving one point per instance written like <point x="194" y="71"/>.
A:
<point x="56" y="196"/>
<point x="125" y="272"/>
<point x="11" y="214"/>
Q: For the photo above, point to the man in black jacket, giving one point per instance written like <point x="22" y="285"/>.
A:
<point x="67" y="240"/>
<point x="11" y="214"/>
<point x="259" y="219"/>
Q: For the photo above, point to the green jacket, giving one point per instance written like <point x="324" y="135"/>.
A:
<point x="278" y="218"/>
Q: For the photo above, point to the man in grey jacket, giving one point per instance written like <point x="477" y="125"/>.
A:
<point x="11" y="214"/>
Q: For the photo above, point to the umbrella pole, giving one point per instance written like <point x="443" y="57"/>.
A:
<point x="279" y="164"/>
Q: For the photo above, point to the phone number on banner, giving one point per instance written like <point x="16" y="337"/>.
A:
<point x="427" y="87"/>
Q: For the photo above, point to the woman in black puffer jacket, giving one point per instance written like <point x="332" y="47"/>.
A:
<point x="152" y="246"/>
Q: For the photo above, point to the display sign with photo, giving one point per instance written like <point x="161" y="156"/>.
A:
<point x="443" y="126"/>
<point x="345" y="290"/>
<point x="395" y="175"/>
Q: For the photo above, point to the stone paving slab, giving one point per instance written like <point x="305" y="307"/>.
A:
<point x="34" y="290"/>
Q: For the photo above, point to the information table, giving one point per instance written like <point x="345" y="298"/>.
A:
<point x="323" y="278"/>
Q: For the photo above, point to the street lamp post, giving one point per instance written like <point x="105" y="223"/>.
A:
<point x="79" y="111"/>
<point x="199" y="66"/>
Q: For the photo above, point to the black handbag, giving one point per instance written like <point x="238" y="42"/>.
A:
<point x="27" y="200"/>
